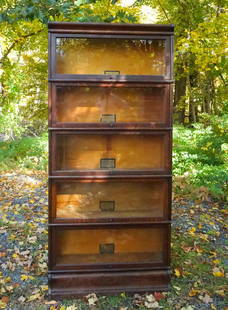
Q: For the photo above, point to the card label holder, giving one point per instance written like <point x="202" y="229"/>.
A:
<point x="108" y="118"/>
<point x="111" y="72"/>
<point x="106" y="248"/>
<point x="107" y="205"/>
<point x="108" y="163"/>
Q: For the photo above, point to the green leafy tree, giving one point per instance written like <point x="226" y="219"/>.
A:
<point x="200" y="55"/>
<point x="23" y="59"/>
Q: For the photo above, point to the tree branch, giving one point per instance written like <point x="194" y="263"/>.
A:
<point x="164" y="11"/>
<point x="17" y="41"/>
<point x="222" y="78"/>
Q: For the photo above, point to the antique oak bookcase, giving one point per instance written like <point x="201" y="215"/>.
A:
<point x="110" y="129"/>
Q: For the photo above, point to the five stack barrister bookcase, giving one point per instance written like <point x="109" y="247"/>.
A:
<point x="110" y="93"/>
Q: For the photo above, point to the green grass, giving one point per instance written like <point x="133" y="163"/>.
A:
<point x="25" y="153"/>
<point x="200" y="160"/>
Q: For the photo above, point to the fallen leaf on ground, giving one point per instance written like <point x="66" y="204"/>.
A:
<point x="187" y="308"/>
<point x="92" y="299"/>
<point x="138" y="299"/>
<point x="193" y="292"/>
<point x="3" y="305"/>
<point x="206" y="299"/>
<point x="150" y="298"/>
<point x="204" y="237"/>
<point x="32" y="239"/>
<point x="72" y="307"/>
<point x="158" y="296"/>
<point x="34" y="297"/>
<point x="177" y="272"/>
<point x="191" y="231"/>
<point x="220" y="292"/>
<point x="25" y="277"/>
<point x="5" y="299"/>
<point x="51" y="302"/>
<point x="218" y="272"/>
<point x="151" y="305"/>
<point x="21" y="299"/>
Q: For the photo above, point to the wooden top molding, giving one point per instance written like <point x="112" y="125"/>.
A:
<point x="107" y="28"/>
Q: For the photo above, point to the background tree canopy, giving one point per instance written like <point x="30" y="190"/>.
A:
<point x="24" y="54"/>
<point x="200" y="45"/>
<point x="200" y="100"/>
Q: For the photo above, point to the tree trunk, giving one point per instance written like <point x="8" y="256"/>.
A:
<point x="192" y="79"/>
<point x="207" y="91"/>
<point x="179" y="100"/>
<point x="192" y="112"/>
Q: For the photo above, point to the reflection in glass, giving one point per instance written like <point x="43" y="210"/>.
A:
<point x="104" y="104"/>
<point x="100" y="199"/>
<point x="129" y="245"/>
<point x="129" y="151"/>
<point x="121" y="56"/>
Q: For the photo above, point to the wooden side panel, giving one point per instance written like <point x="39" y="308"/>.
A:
<point x="105" y="56"/>
<point x="75" y="152"/>
<point x="111" y="199"/>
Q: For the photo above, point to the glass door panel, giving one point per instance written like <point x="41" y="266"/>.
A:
<point x="111" y="56"/>
<point x="111" y="104"/>
<point x="111" y="151"/>
<point x="111" y="199"/>
<point x="110" y="245"/>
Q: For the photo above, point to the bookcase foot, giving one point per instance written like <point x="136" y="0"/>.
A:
<point x="67" y="285"/>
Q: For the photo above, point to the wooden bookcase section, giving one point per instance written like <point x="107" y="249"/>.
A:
<point x="110" y="138"/>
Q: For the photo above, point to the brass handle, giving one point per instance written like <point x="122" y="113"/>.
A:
<point x="108" y="118"/>
<point x="107" y="163"/>
<point x="112" y="72"/>
<point x="106" y="248"/>
<point x="107" y="205"/>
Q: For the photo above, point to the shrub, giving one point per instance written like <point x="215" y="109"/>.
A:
<point x="200" y="155"/>
<point x="27" y="152"/>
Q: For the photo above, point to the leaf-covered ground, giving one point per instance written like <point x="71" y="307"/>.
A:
<point x="198" y="254"/>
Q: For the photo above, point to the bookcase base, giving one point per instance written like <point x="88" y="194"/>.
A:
<point x="64" y="285"/>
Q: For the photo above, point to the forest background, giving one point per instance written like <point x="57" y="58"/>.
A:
<point x="200" y="148"/>
<point x="200" y="97"/>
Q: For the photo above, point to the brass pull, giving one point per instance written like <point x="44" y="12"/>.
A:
<point x="108" y="118"/>
<point x="107" y="205"/>
<point x="112" y="72"/>
<point x="108" y="163"/>
<point x="106" y="248"/>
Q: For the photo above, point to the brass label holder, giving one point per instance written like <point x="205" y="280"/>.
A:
<point x="112" y="72"/>
<point x="108" y="118"/>
<point x="106" y="248"/>
<point x="107" y="205"/>
<point x="107" y="163"/>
